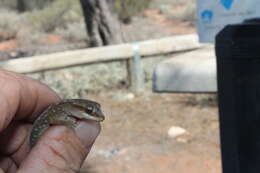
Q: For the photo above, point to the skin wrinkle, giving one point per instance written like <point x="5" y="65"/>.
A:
<point x="7" y="164"/>
<point x="15" y="155"/>
<point x="19" y="103"/>
<point x="66" y="166"/>
<point x="65" y="140"/>
<point x="7" y="114"/>
<point x="38" y="110"/>
<point x="16" y="131"/>
<point x="67" y="170"/>
<point x="35" y="105"/>
<point x="12" y="169"/>
<point x="57" y="153"/>
<point x="3" y="114"/>
<point x="73" y="161"/>
<point x="12" y="166"/>
<point x="24" y="149"/>
<point x="32" y="89"/>
<point x="60" y="169"/>
<point x="79" y="148"/>
<point x="33" y="111"/>
<point x="10" y="108"/>
<point x="74" y="146"/>
<point x="24" y="141"/>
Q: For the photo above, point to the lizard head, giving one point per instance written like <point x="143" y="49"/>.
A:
<point x="83" y="109"/>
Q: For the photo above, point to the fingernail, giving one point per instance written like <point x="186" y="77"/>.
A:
<point x="87" y="131"/>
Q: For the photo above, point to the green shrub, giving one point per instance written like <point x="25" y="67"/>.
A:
<point x="29" y="5"/>
<point x="188" y="13"/>
<point x="178" y="10"/>
<point x="55" y="15"/>
<point x="10" y="4"/>
<point x="128" y="8"/>
<point x="73" y="32"/>
<point x="28" y="37"/>
<point x="9" y="24"/>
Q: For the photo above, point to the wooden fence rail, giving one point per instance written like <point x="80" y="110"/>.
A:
<point x="107" y="53"/>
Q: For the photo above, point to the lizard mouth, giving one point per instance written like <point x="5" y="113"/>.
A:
<point x="99" y="118"/>
<point x="92" y="118"/>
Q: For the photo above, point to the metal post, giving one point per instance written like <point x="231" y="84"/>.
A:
<point x="238" y="74"/>
<point x="136" y="71"/>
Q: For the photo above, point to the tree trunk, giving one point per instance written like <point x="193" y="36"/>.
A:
<point x="102" y="25"/>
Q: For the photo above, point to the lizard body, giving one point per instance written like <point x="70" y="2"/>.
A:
<point x="66" y="112"/>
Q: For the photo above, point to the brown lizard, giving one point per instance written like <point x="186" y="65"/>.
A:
<point x="65" y="112"/>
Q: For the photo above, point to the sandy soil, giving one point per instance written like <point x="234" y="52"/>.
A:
<point x="134" y="136"/>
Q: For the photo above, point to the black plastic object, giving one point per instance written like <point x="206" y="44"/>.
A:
<point x="238" y="75"/>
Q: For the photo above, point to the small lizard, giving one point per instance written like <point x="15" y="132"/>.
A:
<point x="66" y="112"/>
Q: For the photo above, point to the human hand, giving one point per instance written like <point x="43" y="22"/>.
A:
<point x="60" y="149"/>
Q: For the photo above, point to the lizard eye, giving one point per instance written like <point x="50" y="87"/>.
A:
<point x="89" y="110"/>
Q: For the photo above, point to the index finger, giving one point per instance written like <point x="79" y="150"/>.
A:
<point x="22" y="97"/>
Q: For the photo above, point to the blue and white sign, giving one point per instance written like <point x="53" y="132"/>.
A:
<point x="213" y="15"/>
<point x="227" y="3"/>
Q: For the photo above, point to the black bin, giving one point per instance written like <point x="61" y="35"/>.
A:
<point x="238" y="77"/>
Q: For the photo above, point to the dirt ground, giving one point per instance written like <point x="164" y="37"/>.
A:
<point x="135" y="138"/>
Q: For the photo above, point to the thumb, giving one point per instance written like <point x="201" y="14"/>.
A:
<point x="60" y="150"/>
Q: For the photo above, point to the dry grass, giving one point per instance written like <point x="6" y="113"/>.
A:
<point x="48" y="19"/>
<point x="187" y="12"/>
<point x="129" y="8"/>
<point x="181" y="10"/>
<point x="8" y="19"/>
<point x="27" y="36"/>
<point x="73" y="32"/>
<point x="8" y="4"/>
<point x="64" y="18"/>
